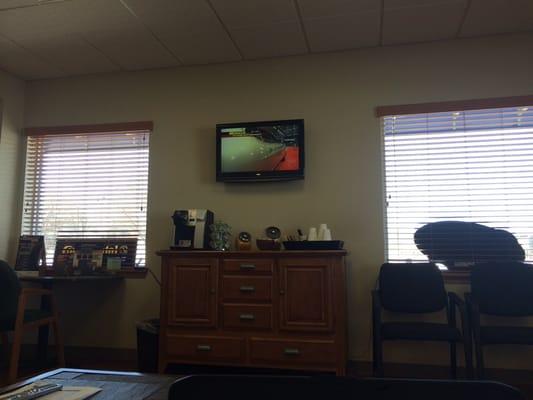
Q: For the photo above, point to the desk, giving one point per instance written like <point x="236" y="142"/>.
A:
<point x="47" y="282"/>
<point x="115" y="385"/>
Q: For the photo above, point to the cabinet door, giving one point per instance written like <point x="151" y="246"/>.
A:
<point x="305" y="294"/>
<point x="192" y="292"/>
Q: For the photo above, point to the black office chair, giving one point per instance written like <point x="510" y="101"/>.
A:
<point x="417" y="288"/>
<point x="502" y="289"/>
<point x="16" y="318"/>
<point x="208" y="387"/>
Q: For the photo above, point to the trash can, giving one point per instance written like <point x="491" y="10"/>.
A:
<point x="148" y="345"/>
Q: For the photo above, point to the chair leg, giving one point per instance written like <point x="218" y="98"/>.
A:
<point x="453" y="360"/>
<point x="468" y="358"/>
<point x="479" y="361"/>
<point x="5" y="341"/>
<point x="377" y="339"/>
<point x="15" y="356"/>
<point x="17" y="341"/>
<point x="378" y="357"/>
<point x="58" y="337"/>
<point x="60" y="347"/>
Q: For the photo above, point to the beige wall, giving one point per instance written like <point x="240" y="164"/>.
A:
<point x="11" y="157"/>
<point x="336" y="94"/>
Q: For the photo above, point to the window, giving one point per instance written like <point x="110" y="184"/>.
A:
<point x="473" y="165"/>
<point x="87" y="182"/>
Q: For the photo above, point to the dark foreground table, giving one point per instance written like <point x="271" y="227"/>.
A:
<point x="115" y="385"/>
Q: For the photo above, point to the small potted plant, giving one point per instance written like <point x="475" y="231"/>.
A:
<point x="220" y="236"/>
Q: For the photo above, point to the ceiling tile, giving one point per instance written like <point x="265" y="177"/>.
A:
<point x="211" y="45"/>
<point x="8" y="4"/>
<point x="263" y="28"/>
<point x="189" y="28"/>
<point x="346" y="32"/>
<point x="48" y="32"/>
<point x="132" y="49"/>
<point x="498" y="16"/>
<point x="336" y="8"/>
<point x="95" y="15"/>
<point x="341" y="24"/>
<point x="249" y="13"/>
<point x="52" y="18"/>
<point x="24" y="64"/>
<point x="180" y="14"/>
<point x="407" y="21"/>
<point x="110" y="27"/>
<point x="70" y="54"/>
<point x="274" y="40"/>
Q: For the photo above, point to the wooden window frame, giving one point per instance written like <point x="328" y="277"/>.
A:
<point x="94" y="128"/>
<point x="457" y="105"/>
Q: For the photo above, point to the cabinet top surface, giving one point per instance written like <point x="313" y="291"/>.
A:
<point x="252" y="253"/>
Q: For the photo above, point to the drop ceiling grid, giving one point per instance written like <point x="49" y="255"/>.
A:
<point x="75" y="37"/>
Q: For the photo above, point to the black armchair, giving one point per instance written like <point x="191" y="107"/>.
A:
<point x="501" y="289"/>
<point x="418" y="288"/>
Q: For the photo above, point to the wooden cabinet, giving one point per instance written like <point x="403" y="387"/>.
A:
<point x="273" y="309"/>
<point x="192" y="289"/>
<point x="305" y="294"/>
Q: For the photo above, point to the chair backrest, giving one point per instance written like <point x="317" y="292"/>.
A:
<point x="322" y="387"/>
<point x="412" y="287"/>
<point x="9" y="292"/>
<point x="503" y="288"/>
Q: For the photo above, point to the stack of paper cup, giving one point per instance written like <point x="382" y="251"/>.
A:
<point x="322" y="231"/>
<point x="312" y="234"/>
<point x="327" y="235"/>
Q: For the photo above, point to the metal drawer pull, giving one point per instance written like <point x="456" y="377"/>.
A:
<point x="203" y="347"/>
<point x="247" y="289"/>
<point x="291" y="352"/>
<point x="247" y="317"/>
<point x="248" y="266"/>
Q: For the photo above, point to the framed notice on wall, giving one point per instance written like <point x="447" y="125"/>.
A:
<point x="31" y="253"/>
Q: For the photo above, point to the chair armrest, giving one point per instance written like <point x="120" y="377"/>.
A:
<point x="471" y="304"/>
<point x="455" y="299"/>
<point x="456" y="302"/>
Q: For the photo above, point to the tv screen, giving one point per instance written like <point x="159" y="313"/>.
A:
<point x="258" y="151"/>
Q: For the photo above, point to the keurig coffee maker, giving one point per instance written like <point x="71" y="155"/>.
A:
<point x="192" y="229"/>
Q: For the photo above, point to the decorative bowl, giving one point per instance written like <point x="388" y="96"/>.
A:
<point x="268" y="244"/>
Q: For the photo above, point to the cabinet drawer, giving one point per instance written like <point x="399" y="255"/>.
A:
<point x="246" y="288"/>
<point x="248" y="266"/>
<point x="257" y="316"/>
<point x="292" y="352"/>
<point x="205" y="348"/>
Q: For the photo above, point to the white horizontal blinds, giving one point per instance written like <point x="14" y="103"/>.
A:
<point x="87" y="186"/>
<point x="474" y="166"/>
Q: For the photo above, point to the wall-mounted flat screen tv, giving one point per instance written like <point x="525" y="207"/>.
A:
<point x="260" y="151"/>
